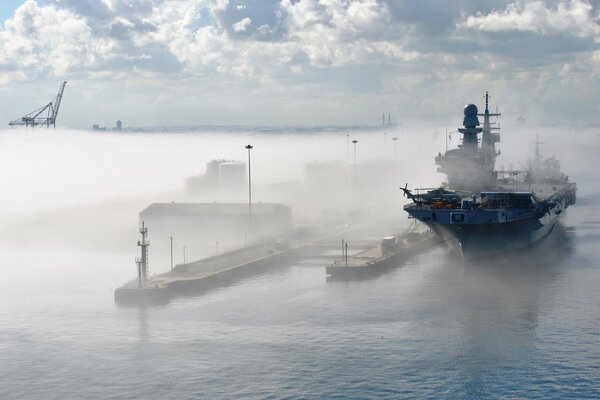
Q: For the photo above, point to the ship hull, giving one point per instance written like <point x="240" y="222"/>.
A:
<point x="471" y="242"/>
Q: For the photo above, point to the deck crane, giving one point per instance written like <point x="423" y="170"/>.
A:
<point x="45" y="115"/>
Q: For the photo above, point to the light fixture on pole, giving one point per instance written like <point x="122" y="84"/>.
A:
<point x="249" y="147"/>
<point x="347" y="149"/>
<point x="354" y="176"/>
<point x="171" y="253"/>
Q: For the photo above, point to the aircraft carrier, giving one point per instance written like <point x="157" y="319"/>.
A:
<point x="482" y="211"/>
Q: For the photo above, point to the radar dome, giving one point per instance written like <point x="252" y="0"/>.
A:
<point x="470" y="110"/>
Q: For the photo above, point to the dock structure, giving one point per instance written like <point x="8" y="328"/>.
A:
<point x="391" y="251"/>
<point x="198" y="276"/>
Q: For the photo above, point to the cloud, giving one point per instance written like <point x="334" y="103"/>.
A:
<point x="335" y="33"/>
<point x="242" y="25"/>
<point x="575" y="17"/>
<point x="354" y="19"/>
<point x="80" y="39"/>
<point x="411" y="54"/>
<point x="41" y="40"/>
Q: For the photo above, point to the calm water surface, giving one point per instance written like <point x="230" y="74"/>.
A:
<point x="523" y="327"/>
<point x="430" y="328"/>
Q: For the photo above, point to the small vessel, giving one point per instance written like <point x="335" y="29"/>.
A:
<point x="483" y="211"/>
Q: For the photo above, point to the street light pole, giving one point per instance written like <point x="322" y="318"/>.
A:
<point x="347" y="149"/>
<point x="249" y="147"/>
<point x="395" y="139"/>
<point x="171" y="253"/>
<point x="354" y="176"/>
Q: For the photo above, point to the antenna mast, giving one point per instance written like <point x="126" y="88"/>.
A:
<point x="489" y="137"/>
<point x="142" y="262"/>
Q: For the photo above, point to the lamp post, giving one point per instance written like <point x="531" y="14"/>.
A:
<point x="395" y="139"/>
<point x="249" y="147"/>
<point x="347" y="148"/>
<point x="354" y="176"/>
<point x="171" y="253"/>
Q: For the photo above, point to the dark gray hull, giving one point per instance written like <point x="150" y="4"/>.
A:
<point x="470" y="242"/>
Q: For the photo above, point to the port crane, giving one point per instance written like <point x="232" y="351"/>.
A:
<point x="45" y="115"/>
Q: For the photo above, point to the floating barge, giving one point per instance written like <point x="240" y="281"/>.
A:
<point x="390" y="252"/>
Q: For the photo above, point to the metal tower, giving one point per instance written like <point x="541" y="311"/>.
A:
<point x="50" y="111"/>
<point x="142" y="262"/>
<point x="489" y="138"/>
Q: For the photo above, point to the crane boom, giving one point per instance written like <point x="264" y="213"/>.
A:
<point x="34" y="118"/>
<point x="57" y="102"/>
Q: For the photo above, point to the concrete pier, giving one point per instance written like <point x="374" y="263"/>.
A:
<point x="198" y="276"/>
<point x="380" y="257"/>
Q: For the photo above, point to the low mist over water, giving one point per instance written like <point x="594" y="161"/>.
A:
<point x="209" y="199"/>
<point x="518" y="326"/>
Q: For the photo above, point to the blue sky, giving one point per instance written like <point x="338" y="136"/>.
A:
<point x="8" y="7"/>
<point x="154" y="62"/>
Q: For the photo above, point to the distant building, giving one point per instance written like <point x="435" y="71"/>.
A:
<point x="119" y="125"/>
<point x="98" y="128"/>
<point x="224" y="180"/>
<point x="232" y="180"/>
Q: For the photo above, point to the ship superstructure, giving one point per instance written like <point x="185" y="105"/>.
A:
<point x="485" y="214"/>
<point x="471" y="165"/>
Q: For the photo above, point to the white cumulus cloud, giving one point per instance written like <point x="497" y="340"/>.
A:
<point x="392" y="51"/>
<point x="242" y="25"/>
<point x="574" y="17"/>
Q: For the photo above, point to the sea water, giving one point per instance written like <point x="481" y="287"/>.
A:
<point x="520" y="326"/>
